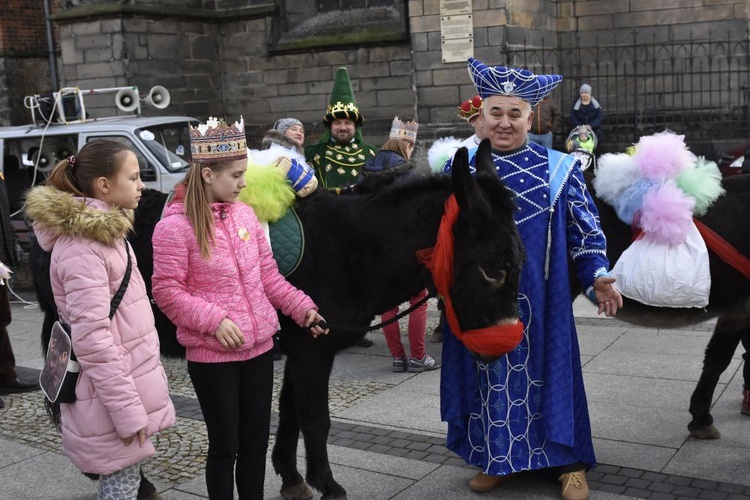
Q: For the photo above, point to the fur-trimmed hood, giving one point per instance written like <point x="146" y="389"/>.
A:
<point x="273" y="136"/>
<point x="56" y="213"/>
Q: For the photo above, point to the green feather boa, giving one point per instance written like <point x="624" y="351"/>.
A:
<point x="267" y="192"/>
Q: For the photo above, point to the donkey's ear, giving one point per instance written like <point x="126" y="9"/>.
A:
<point x="463" y="183"/>
<point x="484" y="161"/>
<point x="469" y="196"/>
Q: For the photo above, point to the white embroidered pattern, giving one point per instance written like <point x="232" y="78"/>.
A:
<point x="510" y="418"/>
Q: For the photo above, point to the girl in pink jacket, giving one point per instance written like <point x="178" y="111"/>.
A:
<point x="82" y="217"/>
<point x="216" y="279"/>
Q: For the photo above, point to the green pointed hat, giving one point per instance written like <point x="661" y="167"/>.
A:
<point x="342" y="103"/>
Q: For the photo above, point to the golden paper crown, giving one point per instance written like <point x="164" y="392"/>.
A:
<point x="404" y="130"/>
<point x="470" y="108"/>
<point x="215" y="141"/>
<point x="343" y="110"/>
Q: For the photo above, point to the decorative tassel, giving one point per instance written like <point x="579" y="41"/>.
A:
<point x="549" y="244"/>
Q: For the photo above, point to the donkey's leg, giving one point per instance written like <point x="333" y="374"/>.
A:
<point x="719" y="354"/>
<point x="311" y="378"/>
<point x="284" y="456"/>
<point x="745" y="408"/>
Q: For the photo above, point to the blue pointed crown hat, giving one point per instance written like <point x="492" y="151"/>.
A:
<point x="520" y="83"/>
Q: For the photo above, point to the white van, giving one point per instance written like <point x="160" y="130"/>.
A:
<point x="162" y="145"/>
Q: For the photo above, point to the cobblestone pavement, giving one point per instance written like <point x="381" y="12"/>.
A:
<point x="181" y="450"/>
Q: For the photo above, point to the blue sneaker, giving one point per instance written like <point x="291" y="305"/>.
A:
<point x="425" y="364"/>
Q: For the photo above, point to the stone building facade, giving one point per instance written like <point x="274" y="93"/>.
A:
<point x="266" y="59"/>
<point x="24" y="57"/>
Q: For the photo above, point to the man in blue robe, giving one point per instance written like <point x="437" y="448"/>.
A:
<point x="528" y="410"/>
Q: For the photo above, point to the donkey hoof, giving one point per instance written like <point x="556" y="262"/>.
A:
<point x="335" y="496"/>
<point x="334" y="492"/>
<point x="299" y="491"/>
<point x="708" y="432"/>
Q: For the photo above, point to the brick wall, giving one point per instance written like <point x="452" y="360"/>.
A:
<point x="4" y="101"/>
<point x="24" y="62"/>
<point x="20" y="25"/>
<point x="178" y="55"/>
<point x="225" y="67"/>
<point x="498" y="25"/>
<point x="25" y="76"/>
<point x="614" y="21"/>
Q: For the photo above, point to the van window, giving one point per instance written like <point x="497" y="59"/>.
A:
<point x="43" y="153"/>
<point x="27" y="160"/>
<point x="170" y="143"/>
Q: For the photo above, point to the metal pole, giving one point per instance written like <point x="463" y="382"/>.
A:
<point x="51" y="48"/>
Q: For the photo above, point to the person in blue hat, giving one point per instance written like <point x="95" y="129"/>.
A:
<point x="527" y="410"/>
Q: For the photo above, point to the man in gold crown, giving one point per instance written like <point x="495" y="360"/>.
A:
<point x="339" y="155"/>
<point x="470" y="110"/>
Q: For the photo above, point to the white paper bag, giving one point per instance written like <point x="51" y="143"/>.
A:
<point x="666" y="275"/>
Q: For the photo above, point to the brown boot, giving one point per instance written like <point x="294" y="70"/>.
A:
<point x="483" y="483"/>
<point x="745" y="401"/>
<point x="574" y="486"/>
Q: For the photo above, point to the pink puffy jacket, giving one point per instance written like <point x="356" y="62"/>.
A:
<point x="240" y="281"/>
<point x="122" y="387"/>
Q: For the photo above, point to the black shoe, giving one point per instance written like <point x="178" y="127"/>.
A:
<point x="364" y="342"/>
<point x="2" y="404"/>
<point x="146" y="490"/>
<point x="437" y="335"/>
<point x="17" y="385"/>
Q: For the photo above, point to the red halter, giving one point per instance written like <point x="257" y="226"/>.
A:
<point x="492" y="341"/>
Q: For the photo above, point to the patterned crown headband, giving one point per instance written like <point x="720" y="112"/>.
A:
<point x="404" y="130"/>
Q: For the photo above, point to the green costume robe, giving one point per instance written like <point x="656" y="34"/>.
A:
<point x="337" y="165"/>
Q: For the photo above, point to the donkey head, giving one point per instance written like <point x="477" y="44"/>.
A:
<point x="488" y="249"/>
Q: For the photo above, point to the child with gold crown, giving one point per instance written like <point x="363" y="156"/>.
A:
<point x="392" y="165"/>
<point x="216" y="279"/>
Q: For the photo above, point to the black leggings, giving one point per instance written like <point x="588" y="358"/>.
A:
<point x="746" y="357"/>
<point x="235" y="399"/>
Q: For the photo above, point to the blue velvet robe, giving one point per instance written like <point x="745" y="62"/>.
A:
<point x="528" y="409"/>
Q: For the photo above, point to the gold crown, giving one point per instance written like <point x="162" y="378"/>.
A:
<point x="470" y="108"/>
<point x="342" y="110"/>
<point x="404" y="130"/>
<point x="215" y="141"/>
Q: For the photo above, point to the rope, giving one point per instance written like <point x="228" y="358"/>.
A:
<point x="366" y="329"/>
<point x="724" y="250"/>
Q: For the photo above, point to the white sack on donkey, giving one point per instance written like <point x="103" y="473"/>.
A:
<point x="657" y="188"/>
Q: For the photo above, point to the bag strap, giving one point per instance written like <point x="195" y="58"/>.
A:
<point x="123" y="286"/>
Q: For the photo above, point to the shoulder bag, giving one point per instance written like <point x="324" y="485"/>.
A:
<point x="60" y="372"/>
